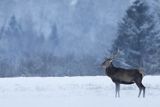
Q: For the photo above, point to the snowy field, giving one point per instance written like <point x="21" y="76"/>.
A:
<point x="93" y="91"/>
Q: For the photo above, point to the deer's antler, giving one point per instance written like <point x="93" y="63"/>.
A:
<point x="113" y="56"/>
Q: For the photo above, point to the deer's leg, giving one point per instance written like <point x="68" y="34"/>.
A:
<point x="140" y="86"/>
<point x="143" y="88"/>
<point x="117" y="90"/>
<point x="144" y="91"/>
<point x="140" y="89"/>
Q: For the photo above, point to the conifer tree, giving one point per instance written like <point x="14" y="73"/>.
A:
<point x="133" y="35"/>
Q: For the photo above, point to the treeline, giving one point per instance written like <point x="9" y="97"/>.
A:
<point x="23" y="52"/>
<point x="79" y="46"/>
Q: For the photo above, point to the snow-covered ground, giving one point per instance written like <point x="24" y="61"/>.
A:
<point x="93" y="91"/>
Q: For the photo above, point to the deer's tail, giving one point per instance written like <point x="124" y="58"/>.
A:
<point x="141" y="70"/>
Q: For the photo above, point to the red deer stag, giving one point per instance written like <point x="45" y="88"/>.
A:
<point x="123" y="76"/>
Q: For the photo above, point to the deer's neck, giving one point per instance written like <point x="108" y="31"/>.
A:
<point x="110" y="70"/>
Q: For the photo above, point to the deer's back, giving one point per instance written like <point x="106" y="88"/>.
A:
<point x="124" y="76"/>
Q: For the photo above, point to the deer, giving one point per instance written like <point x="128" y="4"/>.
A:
<point x="123" y="76"/>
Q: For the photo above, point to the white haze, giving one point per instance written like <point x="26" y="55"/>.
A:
<point x="83" y="25"/>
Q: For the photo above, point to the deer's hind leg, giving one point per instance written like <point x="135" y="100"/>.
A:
<point x="141" y="87"/>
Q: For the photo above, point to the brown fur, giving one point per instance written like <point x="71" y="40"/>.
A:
<point x="124" y="76"/>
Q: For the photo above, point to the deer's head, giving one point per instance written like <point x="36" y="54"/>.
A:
<point x="108" y="61"/>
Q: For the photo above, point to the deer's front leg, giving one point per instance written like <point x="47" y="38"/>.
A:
<point x="117" y="90"/>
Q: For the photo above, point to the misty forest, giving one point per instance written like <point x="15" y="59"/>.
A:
<point x="73" y="37"/>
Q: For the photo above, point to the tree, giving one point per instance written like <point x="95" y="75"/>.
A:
<point x="54" y="35"/>
<point x="152" y="59"/>
<point x="134" y="31"/>
<point x="53" y="40"/>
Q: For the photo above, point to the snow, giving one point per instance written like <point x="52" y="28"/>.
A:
<point x="96" y="91"/>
